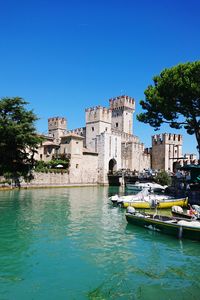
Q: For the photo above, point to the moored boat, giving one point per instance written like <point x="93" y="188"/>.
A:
<point x="148" y="200"/>
<point x="192" y="213"/>
<point x="179" y="228"/>
<point x="143" y="195"/>
<point x="159" y="201"/>
<point x="139" y="186"/>
<point x="117" y="199"/>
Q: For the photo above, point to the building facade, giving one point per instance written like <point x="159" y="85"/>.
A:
<point x="166" y="151"/>
<point x="107" y="144"/>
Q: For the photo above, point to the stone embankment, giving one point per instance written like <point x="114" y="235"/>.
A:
<point x="55" y="180"/>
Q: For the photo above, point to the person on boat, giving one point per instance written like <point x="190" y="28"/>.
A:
<point x="191" y="211"/>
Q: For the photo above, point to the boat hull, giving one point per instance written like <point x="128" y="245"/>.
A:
<point x="185" y="216"/>
<point x="137" y="187"/>
<point x="169" y="227"/>
<point x="183" y="202"/>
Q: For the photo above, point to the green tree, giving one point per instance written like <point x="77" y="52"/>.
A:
<point x="18" y="138"/>
<point x="163" y="178"/>
<point x="174" y="99"/>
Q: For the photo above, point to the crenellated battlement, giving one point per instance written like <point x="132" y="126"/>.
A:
<point x="122" y="102"/>
<point x="98" y="113"/>
<point x="167" y="138"/>
<point x="57" y="123"/>
<point x="79" y="131"/>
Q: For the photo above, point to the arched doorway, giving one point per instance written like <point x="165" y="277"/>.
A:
<point x="112" y="166"/>
<point x="176" y="166"/>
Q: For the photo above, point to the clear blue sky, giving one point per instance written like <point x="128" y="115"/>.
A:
<point x="64" y="56"/>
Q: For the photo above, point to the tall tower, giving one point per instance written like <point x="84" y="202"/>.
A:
<point x="98" y="120"/>
<point x="57" y="127"/>
<point x="122" y="108"/>
<point x="166" y="150"/>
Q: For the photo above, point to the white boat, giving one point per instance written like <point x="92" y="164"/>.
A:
<point x="144" y="195"/>
<point x="139" y="186"/>
<point x="146" y="199"/>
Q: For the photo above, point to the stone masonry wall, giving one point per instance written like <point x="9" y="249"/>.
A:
<point x="83" y="170"/>
<point x="59" y="179"/>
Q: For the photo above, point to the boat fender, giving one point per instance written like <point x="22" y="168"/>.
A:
<point x="177" y="208"/>
<point x="130" y="210"/>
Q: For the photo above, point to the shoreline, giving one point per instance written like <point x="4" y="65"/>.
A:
<point x="26" y="187"/>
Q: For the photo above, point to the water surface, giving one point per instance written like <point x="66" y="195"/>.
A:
<point x="71" y="243"/>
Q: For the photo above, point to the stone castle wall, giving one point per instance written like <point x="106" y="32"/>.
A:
<point x="109" y="148"/>
<point x="57" y="127"/>
<point x="98" y="120"/>
<point x="134" y="157"/>
<point x="84" y="174"/>
<point x="166" y="149"/>
<point x="122" y="113"/>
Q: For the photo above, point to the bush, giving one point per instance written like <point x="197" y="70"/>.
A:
<point x="51" y="166"/>
<point x="163" y="178"/>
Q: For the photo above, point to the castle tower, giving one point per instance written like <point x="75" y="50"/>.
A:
<point x="166" y="150"/>
<point x="122" y="108"/>
<point x="57" y="127"/>
<point x="98" y="120"/>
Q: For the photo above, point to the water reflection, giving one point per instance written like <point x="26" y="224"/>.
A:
<point x="73" y="244"/>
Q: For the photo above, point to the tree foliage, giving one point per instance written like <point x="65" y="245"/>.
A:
<point x="52" y="164"/>
<point x="163" y="178"/>
<point x="19" y="141"/>
<point x="174" y="99"/>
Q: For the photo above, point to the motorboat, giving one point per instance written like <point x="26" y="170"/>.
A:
<point x="139" y="186"/>
<point x="157" y="201"/>
<point x="147" y="200"/>
<point x="192" y="213"/>
<point x="140" y="195"/>
<point x="177" y="227"/>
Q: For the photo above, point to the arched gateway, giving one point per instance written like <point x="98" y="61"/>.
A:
<point x="112" y="166"/>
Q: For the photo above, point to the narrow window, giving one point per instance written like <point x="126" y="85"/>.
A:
<point x="95" y="145"/>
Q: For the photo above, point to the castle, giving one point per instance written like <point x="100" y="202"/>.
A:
<point x="107" y="144"/>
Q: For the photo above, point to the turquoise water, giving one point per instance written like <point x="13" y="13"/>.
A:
<point x="71" y="243"/>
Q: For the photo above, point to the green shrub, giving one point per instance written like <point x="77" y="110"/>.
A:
<point x="163" y="178"/>
<point x="51" y="166"/>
